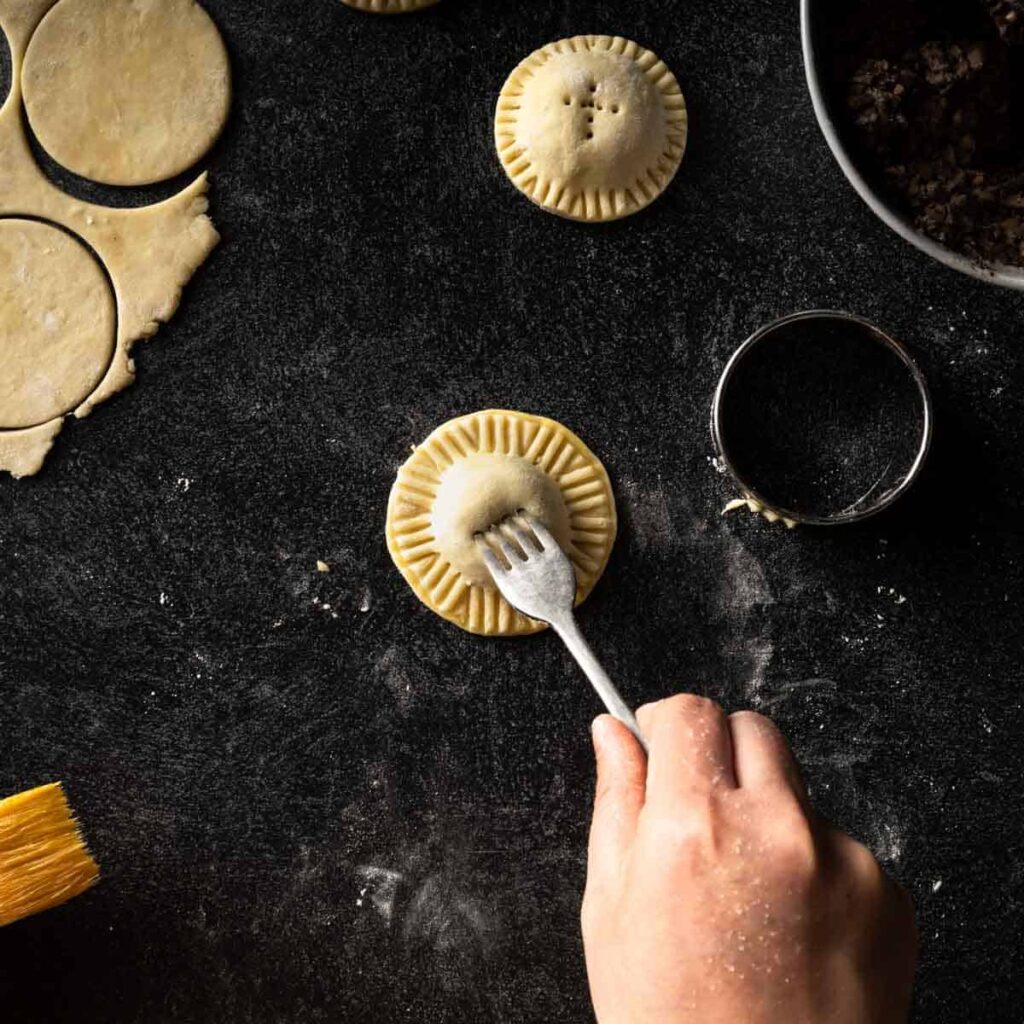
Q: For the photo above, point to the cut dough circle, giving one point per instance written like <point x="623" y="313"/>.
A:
<point x="470" y="473"/>
<point x="57" y="323"/>
<point x="592" y="128"/>
<point x="389" y="6"/>
<point x="127" y="92"/>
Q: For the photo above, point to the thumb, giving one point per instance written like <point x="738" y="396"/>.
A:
<point x="619" y="798"/>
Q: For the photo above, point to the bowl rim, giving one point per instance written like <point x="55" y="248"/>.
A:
<point x="1007" y="277"/>
<point x="881" y="336"/>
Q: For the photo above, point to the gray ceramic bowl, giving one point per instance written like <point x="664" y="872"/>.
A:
<point x="817" y="61"/>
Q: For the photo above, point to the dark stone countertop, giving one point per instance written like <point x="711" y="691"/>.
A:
<point x="315" y="801"/>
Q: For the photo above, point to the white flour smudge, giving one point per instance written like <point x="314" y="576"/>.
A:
<point x="758" y="652"/>
<point x="742" y="592"/>
<point x="653" y="529"/>
<point x="393" y="670"/>
<point x="381" y="888"/>
<point x="744" y="586"/>
<point x="887" y="841"/>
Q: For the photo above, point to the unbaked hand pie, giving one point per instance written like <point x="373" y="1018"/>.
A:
<point x="471" y="473"/>
<point x="389" y="6"/>
<point x="592" y="128"/>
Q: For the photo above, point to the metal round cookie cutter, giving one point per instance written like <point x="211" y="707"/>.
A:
<point x="902" y="455"/>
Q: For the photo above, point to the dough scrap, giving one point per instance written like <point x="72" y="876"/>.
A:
<point x="592" y="128"/>
<point x="475" y="470"/>
<point x="149" y="253"/>
<point x="56" y="320"/>
<point x="758" y="508"/>
<point x="389" y="6"/>
<point x="126" y="92"/>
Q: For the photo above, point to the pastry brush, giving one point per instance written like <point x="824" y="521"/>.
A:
<point x="43" y="858"/>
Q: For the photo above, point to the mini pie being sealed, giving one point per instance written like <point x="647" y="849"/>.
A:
<point x="592" y="128"/>
<point x="389" y="6"/>
<point x="471" y="473"/>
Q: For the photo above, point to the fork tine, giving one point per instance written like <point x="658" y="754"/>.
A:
<point x="508" y="550"/>
<point x="491" y="560"/>
<point x="541" y="532"/>
<point x="513" y="529"/>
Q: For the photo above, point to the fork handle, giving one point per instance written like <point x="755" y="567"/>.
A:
<point x="570" y="633"/>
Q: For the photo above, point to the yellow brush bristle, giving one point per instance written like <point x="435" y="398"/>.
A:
<point x="43" y="859"/>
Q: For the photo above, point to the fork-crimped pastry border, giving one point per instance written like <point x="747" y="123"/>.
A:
<point x="561" y="197"/>
<point x="582" y="481"/>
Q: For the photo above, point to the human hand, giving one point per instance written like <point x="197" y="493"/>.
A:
<point x="715" y="896"/>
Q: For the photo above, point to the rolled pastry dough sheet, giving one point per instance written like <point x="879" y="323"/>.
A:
<point x="389" y="6"/>
<point x="124" y="91"/>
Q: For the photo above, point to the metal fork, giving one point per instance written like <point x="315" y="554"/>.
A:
<point x="537" y="578"/>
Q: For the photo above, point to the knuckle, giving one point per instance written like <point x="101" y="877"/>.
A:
<point x="881" y="896"/>
<point x="864" y="874"/>
<point x="757" y="721"/>
<point x="686" y="706"/>
<point x="746" y="715"/>
<point x="795" y="846"/>
<point x="864" y="866"/>
<point x="689" y="705"/>
<point x="695" y="702"/>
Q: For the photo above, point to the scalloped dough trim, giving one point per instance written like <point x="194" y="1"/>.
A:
<point x="389" y="6"/>
<point x="592" y="128"/>
<point x="758" y="508"/>
<point x="583" y="488"/>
